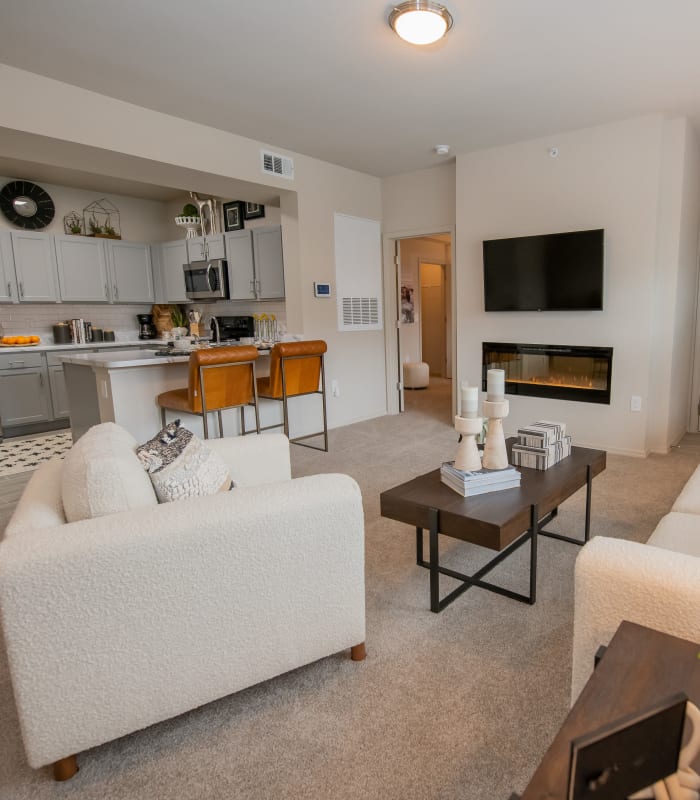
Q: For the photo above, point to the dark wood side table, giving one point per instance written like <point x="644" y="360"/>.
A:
<point x="640" y="667"/>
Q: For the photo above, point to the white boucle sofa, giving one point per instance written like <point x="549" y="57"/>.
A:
<point x="656" y="584"/>
<point x="115" y="623"/>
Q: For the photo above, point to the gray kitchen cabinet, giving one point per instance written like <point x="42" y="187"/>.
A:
<point x="197" y="251"/>
<point x="59" y="395"/>
<point x="82" y="269"/>
<point x="241" y="269"/>
<point x="8" y="282"/>
<point x="172" y="256"/>
<point x="131" y="277"/>
<point x="35" y="266"/>
<point x="255" y="263"/>
<point x="269" y="264"/>
<point x="24" y="396"/>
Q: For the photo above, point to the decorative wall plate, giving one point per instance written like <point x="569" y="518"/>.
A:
<point x="26" y="205"/>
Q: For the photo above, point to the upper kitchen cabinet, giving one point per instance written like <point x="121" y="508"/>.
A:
<point x="82" y="269"/>
<point x="35" y="266"/>
<point x="241" y="270"/>
<point x="172" y="256"/>
<point x="198" y="250"/>
<point x="131" y="277"/>
<point x="8" y="282"/>
<point x="255" y="263"/>
<point x="269" y="264"/>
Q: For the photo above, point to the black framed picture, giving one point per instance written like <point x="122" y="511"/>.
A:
<point x="233" y="215"/>
<point x="253" y="211"/>
<point x="628" y="754"/>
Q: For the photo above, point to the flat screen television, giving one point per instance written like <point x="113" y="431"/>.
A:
<point x="553" y="272"/>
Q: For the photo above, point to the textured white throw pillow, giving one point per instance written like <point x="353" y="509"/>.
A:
<point x="181" y="465"/>
<point x="102" y="475"/>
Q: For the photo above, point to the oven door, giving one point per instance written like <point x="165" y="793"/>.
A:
<point x="204" y="280"/>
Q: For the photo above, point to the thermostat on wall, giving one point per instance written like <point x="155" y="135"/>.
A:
<point x="322" y="289"/>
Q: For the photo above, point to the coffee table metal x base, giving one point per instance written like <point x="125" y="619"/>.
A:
<point x="535" y="529"/>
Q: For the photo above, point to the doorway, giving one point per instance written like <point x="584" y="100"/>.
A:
<point x="422" y="278"/>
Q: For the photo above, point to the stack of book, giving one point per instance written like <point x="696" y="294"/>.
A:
<point x="479" y="481"/>
<point x="541" y="445"/>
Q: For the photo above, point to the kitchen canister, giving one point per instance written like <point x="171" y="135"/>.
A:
<point x="108" y="335"/>
<point x="61" y="333"/>
<point x="97" y="335"/>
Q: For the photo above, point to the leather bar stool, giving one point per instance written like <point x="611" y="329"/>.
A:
<point x="296" y="368"/>
<point x="220" y="378"/>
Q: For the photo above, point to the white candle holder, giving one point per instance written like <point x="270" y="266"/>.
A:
<point x="495" y="453"/>
<point x="467" y="457"/>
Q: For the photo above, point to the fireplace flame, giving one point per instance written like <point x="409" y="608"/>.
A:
<point x="565" y="381"/>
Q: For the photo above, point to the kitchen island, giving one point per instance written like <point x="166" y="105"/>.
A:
<point x="122" y="386"/>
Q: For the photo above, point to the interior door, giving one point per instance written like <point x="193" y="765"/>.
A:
<point x="433" y="318"/>
<point x="399" y="382"/>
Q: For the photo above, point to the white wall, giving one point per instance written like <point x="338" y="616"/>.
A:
<point x="624" y="178"/>
<point x="106" y="134"/>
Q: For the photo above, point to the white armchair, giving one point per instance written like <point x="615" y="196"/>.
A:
<point x="656" y="584"/>
<point x="118" y="622"/>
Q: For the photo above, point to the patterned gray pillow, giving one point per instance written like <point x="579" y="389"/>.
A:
<point x="180" y="465"/>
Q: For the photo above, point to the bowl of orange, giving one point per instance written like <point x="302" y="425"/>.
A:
<point x="20" y="341"/>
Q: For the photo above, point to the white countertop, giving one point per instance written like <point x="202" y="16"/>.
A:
<point x="116" y="359"/>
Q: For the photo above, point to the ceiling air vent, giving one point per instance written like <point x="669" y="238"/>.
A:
<point x="275" y="164"/>
<point x="360" y="312"/>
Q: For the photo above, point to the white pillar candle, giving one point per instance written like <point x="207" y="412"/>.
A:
<point x="470" y="401"/>
<point x="462" y="408"/>
<point x="495" y="385"/>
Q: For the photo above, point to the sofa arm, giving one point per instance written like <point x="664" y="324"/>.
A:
<point x="617" y="580"/>
<point x="116" y="623"/>
<point x="255" y="459"/>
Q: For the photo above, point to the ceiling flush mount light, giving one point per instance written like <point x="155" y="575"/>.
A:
<point x="420" y="21"/>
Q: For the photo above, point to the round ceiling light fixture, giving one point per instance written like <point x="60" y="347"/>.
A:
<point x="420" y="21"/>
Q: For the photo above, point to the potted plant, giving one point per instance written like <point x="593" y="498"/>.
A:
<point x="95" y="229"/>
<point x="179" y="320"/>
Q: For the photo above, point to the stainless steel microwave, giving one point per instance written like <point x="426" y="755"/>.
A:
<point x="206" y="280"/>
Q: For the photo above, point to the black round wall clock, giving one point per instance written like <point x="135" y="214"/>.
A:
<point x="26" y="205"/>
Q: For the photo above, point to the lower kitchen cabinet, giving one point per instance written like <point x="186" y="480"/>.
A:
<point x="59" y="395"/>
<point x="24" y="396"/>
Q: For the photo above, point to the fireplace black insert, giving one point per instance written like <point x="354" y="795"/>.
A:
<point x="561" y="372"/>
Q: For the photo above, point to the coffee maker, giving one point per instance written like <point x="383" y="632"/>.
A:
<point x="147" y="330"/>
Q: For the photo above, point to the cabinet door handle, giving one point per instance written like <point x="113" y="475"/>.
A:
<point x="41" y="379"/>
<point x="116" y="292"/>
<point x="9" y="289"/>
<point x="106" y="292"/>
<point x="21" y="289"/>
<point x="12" y="363"/>
<point x="252" y="287"/>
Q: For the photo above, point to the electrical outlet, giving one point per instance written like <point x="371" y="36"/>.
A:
<point x="635" y="403"/>
<point x="335" y="388"/>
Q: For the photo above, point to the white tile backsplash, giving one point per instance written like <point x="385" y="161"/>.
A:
<point x="38" y="319"/>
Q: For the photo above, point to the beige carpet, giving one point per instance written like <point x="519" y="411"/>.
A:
<point x="457" y="705"/>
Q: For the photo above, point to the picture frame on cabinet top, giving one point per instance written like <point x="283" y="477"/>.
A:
<point x="253" y="211"/>
<point x="233" y="215"/>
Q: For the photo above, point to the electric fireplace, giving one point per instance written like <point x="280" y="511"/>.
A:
<point x="550" y="370"/>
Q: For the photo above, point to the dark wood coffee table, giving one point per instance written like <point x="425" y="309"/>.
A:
<point x="640" y="667"/>
<point x="502" y="521"/>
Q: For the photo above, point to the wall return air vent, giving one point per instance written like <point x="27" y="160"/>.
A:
<point x="275" y="164"/>
<point x="360" y="312"/>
